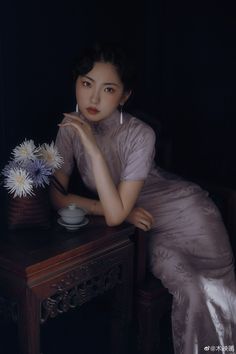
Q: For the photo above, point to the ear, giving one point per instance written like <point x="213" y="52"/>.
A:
<point x="125" y="97"/>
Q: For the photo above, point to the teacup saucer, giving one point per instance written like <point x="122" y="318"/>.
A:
<point x="73" y="227"/>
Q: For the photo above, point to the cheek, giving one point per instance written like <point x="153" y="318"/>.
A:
<point x="114" y="100"/>
<point x="80" y="95"/>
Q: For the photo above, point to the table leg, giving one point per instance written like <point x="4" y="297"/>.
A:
<point x="122" y="311"/>
<point x="29" y="323"/>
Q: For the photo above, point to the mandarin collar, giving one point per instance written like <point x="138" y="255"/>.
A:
<point x="105" y="125"/>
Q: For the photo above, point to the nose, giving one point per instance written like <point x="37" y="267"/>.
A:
<point x="95" y="96"/>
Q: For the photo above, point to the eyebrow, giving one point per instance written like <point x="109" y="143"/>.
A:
<point x="105" y="83"/>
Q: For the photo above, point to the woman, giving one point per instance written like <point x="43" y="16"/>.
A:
<point x="114" y="153"/>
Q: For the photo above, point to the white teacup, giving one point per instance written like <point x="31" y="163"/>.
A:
<point x="72" y="214"/>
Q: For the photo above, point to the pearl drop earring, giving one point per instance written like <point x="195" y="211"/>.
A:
<point x="121" y="114"/>
<point x="77" y="108"/>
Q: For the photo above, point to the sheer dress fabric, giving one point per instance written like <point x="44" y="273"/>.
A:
<point x="189" y="248"/>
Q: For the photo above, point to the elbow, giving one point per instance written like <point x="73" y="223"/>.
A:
<point x="113" y="221"/>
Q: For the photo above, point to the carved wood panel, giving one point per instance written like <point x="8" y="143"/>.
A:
<point x="81" y="285"/>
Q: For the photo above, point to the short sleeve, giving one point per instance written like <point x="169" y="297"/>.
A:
<point x="139" y="152"/>
<point x="64" y="144"/>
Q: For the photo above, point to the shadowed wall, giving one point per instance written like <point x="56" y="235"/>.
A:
<point x="185" y="52"/>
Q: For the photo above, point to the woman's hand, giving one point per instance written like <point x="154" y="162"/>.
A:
<point x="84" y="130"/>
<point x="141" y="218"/>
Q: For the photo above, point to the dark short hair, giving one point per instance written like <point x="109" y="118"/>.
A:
<point x="111" y="53"/>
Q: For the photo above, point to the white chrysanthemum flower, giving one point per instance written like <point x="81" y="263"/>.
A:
<point x="18" y="183"/>
<point x="50" y="155"/>
<point x="11" y="164"/>
<point x="25" y="151"/>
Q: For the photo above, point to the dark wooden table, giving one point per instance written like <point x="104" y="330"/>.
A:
<point x="47" y="272"/>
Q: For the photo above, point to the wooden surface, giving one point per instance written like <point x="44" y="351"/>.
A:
<point x="47" y="272"/>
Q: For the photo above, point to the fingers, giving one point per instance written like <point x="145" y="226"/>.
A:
<point x="75" y="118"/>
<point x="140" y="226"/>
<point x="149" y="215"/>
<point x="145" y="217"/>
<point x="72" y="121"/>
<point x="142" y="219"/>
<point x="143" y="226"/>
<point x="146" y="222"/>
<point x="71" y="115"/>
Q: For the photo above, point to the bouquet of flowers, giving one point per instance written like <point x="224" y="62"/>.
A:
<point x="30" y="168"/>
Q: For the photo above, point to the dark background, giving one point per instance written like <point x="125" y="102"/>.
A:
<point x="186" y="72"/>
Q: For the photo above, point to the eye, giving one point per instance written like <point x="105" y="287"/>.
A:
<point x="86" y="83"/>
<point x="109" y="89"/>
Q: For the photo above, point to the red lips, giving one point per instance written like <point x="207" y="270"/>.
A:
<point x="92" y="110"/>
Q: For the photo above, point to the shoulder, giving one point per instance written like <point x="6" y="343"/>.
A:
<point x="138" y="129"/>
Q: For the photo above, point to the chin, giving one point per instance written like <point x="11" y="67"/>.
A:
<point x="93" y="118"/>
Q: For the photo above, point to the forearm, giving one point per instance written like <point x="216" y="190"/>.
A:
<point x="111" y="202"/>
<point x="59" y="200"/>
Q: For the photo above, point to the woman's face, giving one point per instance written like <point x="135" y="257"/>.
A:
<point x="99" y="92"/>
